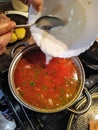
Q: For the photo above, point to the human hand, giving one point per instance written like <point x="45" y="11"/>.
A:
<point x="6" y="27"/>
<point x="37" y="4"/>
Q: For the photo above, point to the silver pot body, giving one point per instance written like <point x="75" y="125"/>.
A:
<point x="77" y="62"/>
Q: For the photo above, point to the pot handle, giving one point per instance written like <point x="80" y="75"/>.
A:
<point x="19" y="45"/>
<point x="87" y="104"/>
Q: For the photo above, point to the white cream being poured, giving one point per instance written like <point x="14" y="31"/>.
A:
<point x="51" y="46"/>
<point x="60" y="41"/>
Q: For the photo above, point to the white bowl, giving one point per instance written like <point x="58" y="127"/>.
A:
<point x="81" y="30"/>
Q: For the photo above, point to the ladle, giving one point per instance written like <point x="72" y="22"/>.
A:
<point x="45" y="23"/>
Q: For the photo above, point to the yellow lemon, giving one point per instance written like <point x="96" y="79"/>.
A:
<point x="20" y="33"/>
<point x="13" y="38"/>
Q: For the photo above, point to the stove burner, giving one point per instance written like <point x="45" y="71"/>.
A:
<point x="92" y="53"/>
<point x="90" y="57"/>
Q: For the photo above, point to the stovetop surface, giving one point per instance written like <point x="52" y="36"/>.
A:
<point x="29" y="120"/>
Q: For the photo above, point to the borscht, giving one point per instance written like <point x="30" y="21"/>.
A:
<point x="46" y="86"/>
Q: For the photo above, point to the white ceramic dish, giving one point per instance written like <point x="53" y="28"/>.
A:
<point x="80" y="32"/>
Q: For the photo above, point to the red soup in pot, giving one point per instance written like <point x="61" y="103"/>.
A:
<point x="44" y="86"/>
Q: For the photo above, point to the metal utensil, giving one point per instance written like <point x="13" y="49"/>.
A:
<point x="45" y="22"/>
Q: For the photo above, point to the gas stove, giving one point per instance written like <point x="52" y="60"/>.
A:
<point x="26" y="119"/>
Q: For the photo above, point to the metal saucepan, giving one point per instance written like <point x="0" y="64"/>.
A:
<point x="83" y="122"/>
<point x="68" y="106"/>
